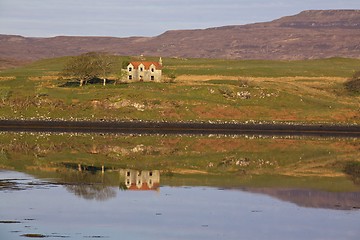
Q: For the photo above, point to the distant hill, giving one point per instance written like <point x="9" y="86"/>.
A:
<point x="310" y="34"/>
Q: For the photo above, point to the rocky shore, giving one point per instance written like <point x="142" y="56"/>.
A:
<point x="145" y="127"/>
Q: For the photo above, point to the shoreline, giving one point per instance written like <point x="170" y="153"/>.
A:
<point x="145" y="127"/>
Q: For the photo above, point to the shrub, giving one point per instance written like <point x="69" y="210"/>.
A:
<point x="356" y="75"/>
<point x="227" y="92"/>
<point x="243" y="83"/>
<point x="353" y="85"/>
<point x="5" y="94"/>
<point x="170" y="77"/>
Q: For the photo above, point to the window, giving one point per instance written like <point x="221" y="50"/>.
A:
<point x="130" y="77"/>
<point x="130" y="69"/>
<point x="152" y="78"/>
<point x="141" y="69"/>
<point x="128" y="173"/>
<point x="150" y="174"/>
<point x="152" y="69"/>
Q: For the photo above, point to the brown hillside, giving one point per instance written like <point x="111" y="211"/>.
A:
<point x="310" y="34"/>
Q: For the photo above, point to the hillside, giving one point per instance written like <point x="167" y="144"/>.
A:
<point x="307" y="35"/>
<point x="305" y="91"/>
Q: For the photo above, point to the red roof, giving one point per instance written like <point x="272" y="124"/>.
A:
<point x="144" y="187"/>
<point x="146" y="65"/>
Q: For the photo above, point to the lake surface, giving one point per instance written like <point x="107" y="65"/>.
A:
<point x="178" y="187"/>
<point x="31" y="206"/>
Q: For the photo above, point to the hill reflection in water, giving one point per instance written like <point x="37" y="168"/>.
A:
<point x="306" y="171"/>
<point x="312" y="198"/>
<point x="96" y="183"/>
<point x="150" y="180"/>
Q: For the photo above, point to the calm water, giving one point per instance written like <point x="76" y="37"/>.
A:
<point x="93" y="186"/>
<point x="55" y="209"/>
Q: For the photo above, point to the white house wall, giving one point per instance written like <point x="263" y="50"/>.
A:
<point x="146" y="74"/>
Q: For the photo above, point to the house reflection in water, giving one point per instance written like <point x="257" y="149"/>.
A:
<point x="141" y="180"/>
<point x="128" y="179"/>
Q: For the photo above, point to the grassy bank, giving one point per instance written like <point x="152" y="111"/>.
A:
<point x="225" y="161"/>
<point x="205" y="89"/>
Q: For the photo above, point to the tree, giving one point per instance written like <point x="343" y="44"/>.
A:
<point x="124" y="64"/>
<point x="88" y="66"/>
<point x="105" y="63"/>
<point x="120" y="75"/>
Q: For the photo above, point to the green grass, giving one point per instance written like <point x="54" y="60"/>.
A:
<point x="34" y="91"/>
<point x="332" y="67"/>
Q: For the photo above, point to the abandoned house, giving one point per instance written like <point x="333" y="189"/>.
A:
<point x="144" y="71"/>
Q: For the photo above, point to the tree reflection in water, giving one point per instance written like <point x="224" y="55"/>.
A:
<point x="87" y="182"/>
<point x="88" y="186"/>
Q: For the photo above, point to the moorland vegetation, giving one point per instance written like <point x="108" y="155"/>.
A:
<point x="309" y="91"/>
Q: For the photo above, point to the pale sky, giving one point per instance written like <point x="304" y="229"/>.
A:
<point x="120" y="18"/>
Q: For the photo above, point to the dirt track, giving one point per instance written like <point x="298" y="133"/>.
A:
<point x="138" y="127"/>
